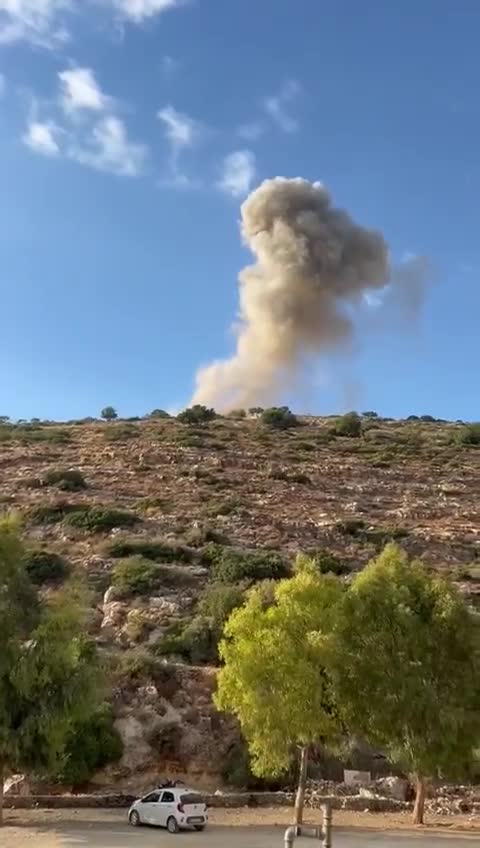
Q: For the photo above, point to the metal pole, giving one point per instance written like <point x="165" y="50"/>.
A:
<point x="327" y="826"/>
<point x="324" y="833"/>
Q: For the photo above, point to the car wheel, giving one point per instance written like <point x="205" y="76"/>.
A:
<point x="172" y="825"/>
<point x="134" y="819"/>
<point x="199" y="827"/>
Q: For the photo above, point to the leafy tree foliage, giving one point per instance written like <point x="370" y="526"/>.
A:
<point x="109" y="413"/>
<point x="90" y="744"/>
<point x="279" y="418"/>
<point x="284" y="700"/>
<point x="407" y="668"/>
<point x="349" y="425"/>
<point x="99" y="519"/>
<point x="196" y="414"/>
<point x="45" y="566"/>
<point x="47" y="666"/>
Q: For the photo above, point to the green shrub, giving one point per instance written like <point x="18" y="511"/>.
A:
<point x="90" y="745"/>
<point x="109" y="413"/>
<point x="44" y="566"/>
<point x="159" y="413"/>
<point x="135" y="576"/>
<point x="196" y="414"/>
<point x="152" y="549"/>
<point x="378" y="536"/>
<point x="199" y="536"/>
<point x="67" y="480"/>
<point x="217" y="602"/>
<point x="97" y="519"/>
<point x="255" y="410"/>
<point x="469" y="435"/>
<point x="51" y="513"/>
<point x="428" y="419"/>
<point x="279" y="418"/>
<point x="328" y="563"/>
<point x="196" y="642"/>
<point x="349" y="425"/>
<point x="134" y="664"/>
<point x="228" y="565"/>
<point x="369" y="414"/>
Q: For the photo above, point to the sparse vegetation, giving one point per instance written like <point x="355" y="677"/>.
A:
<point x="279" y="418"/>
<point x="109" y="413"/>
<point x="121" y="432"/>
<point x="469" y="434"/>
<point x="97" y="519"/>
<point x="228" y="565"/>
<point x="155" y="550"/>
<point x="51" y="513"/>
<point x="45" y="566"/>
<point x="67" y="480"/>
<point x="196" y="414"/>
<point x="349" y="425"/>
<point x="134" y="576"/>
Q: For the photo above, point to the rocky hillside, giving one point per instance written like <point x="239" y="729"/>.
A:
<point x="170" y="522"/>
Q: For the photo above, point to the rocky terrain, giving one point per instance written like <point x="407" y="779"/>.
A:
<point x="202" y="497"/>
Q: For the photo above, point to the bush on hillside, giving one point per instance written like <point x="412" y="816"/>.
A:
<point x="195" y="642"/>
<point x="51" y="513"/>
<point x="121" y="432"/>
<point x="44" y="566"/>
<point x="228" y="565"/>
<point x="156" y="550"/>
<point x="217" y="601"/>
<point x="279" y="418"/>
<point x="67" y="480"/>
<point x="109" y="413"/>
<point x="369" y="414"/>
<point x="196" y="414"/>
<point x="349" y="425"/>
<point x="90" y="745"/>
<point x="469" y="435"/>
<point x="237" y="414"/>
<point x="255" y="410"/>
<point x="328" y="563"/>
<point x="159" y="413"/>
<point x="97" y="519"/>
<point x="135" y="576"/>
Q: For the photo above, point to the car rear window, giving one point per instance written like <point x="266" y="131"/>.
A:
<point x="191" y="798"/>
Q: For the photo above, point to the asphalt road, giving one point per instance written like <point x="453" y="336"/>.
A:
<point x="115" y="835"/>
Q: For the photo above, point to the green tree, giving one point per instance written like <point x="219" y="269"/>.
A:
<point x="279" y="418"/>
<point x="284" y="701"/>
<point x="196" y="414"/>
<point x="406" y="668"/>
<point x="109" y="413"/>
<point x="349" y="425"/>
<point x="48" y="673"/>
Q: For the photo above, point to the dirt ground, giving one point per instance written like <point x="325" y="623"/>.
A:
<point x="29" y="827"/>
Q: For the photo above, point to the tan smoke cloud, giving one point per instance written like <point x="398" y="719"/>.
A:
<point x="313" y="263"/>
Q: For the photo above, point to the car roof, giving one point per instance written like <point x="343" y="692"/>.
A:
<point x="182" y="790"/>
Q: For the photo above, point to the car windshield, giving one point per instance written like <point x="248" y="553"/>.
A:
<point x="192" y="798"/>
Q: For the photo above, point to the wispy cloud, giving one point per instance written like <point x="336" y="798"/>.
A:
<point x="80" y="91"/>
<point x="276" y="106"/>
<point x="180" y="129"/>
<point x="45" y="22"/>
<point x="41" y="137"/>
<point x="238" y="173"/>
<point x="182" y="132"/>
<point x="108" y="148"/>
<point x="140" y="10"/>
<point x="38" y="21"/>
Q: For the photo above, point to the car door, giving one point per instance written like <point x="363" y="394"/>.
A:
<point x="149" y="808"/>
<point x="166" y="808"/>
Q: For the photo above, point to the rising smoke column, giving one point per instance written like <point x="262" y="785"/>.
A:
<point x="312" y="263"/>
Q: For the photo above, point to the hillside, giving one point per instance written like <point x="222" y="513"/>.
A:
<point x="216" y="499"/>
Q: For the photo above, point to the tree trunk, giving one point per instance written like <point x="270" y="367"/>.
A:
<point x="419" y="808"/>
<point x="1" y="793"/>
<point x="302" y="782"/>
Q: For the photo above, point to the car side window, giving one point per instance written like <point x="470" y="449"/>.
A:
<point x="152" y="798"/>
<point x="168" y="797"/>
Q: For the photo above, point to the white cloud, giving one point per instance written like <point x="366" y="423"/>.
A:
<point x="180" y="129"/>
<point x="40" y="137"/>
<point x="80" y="91"/>
<point x="38" y="21"/>
<point x="238" y="173"/>
<point x="139" y="10"/>
<point x="276" y="105"/>
<point x="109" y="149"/>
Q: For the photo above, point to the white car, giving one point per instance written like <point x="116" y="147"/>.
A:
<point x="174" y="808"/>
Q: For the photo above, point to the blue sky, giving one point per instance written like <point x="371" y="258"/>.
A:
<point x="131" y="130"/>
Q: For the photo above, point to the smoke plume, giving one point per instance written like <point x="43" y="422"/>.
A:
<point x="313" y="264"/>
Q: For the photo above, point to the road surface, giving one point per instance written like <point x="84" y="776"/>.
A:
<point x="96" y="834"/>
